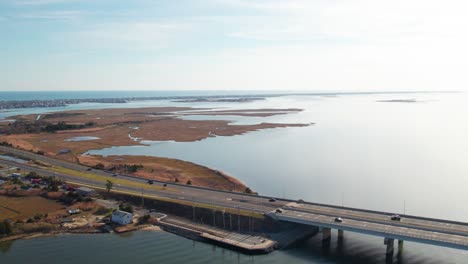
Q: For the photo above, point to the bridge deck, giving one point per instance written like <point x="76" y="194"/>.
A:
<point x="376" y="229"/>
<point x="427" y="224"/>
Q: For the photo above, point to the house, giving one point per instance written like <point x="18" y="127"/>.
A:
<point x="15" y="175"/>
<point x="74" y="211"/>
<point x="64" y="151"/>
<point x="36" y="181"/>
<point x="121" y="217"/>
<point x="83" y="191"/>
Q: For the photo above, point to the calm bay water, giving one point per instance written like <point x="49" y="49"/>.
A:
<point x="161" y="247"/>
<point x="401" y="157"/>
<point x="50" y="95"/>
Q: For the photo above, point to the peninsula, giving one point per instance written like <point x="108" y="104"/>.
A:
<point x="69" y="135"/>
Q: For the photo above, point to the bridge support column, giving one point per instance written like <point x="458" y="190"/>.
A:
<point x="400" y="245"/>
<point x="326" y="238"/>
<point x="326" y="234"/>
<point x="389" y="242"/>
<point x="340" y="234"/>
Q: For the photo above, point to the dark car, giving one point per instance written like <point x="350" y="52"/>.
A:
<point x="279" y="211"/>
<point x="339" y="220"/>
<point x="150" y="182"/>
<point x="272" y="200"/>
<point x="395" y="217"/>
<point x="165" y="185"/>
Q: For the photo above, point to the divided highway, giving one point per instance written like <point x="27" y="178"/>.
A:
<point x="411" y="228"/>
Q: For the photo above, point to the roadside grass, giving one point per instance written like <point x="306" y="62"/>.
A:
<point x="104" y="179"/>
<point x="185" y="202"/>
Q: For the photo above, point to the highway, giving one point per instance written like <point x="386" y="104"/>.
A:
<point x="427" y="224"/>
<point x="411" y="228"/>
<point x="375" y="229"/>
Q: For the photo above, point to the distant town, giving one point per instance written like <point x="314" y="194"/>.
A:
<point x="65" y="102"/>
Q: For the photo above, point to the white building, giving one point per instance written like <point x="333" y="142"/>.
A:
<point x="121" y="217"/>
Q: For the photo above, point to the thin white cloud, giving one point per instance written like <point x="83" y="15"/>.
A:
<point x="270" y="5"/>
<point x="41" y="2"/>
<point x="52" y="15"/>
<point x="131" y="35"/>
<point x="364" y="21"/>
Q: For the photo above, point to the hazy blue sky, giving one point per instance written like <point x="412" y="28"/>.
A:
<point x="318" y="45"/>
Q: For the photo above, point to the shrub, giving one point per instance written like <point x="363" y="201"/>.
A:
<point x="126" y="208"/>
<point x="38" y="217"/>
<point x="5" y="228"/>
<point x="144" y="219"/>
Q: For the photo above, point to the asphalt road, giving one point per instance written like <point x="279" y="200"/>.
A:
<point x="384" y="218"/>
<point x="172" y="191"/>
<point x="383" y="230"/>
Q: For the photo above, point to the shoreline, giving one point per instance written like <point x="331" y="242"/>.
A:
<point x="147" y="228"/>
<point x="51" y="137"/>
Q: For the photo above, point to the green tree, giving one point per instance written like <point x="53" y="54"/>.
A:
<point x="5" y="228"/>
<point x="53" y="184"/>
<point x="126" y="208"/>
<point x="109" y="185"/>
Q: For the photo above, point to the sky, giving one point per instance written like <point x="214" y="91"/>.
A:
<point x="307" y="45"/>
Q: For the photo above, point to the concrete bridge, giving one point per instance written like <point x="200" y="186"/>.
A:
<point x="407" y="228"/>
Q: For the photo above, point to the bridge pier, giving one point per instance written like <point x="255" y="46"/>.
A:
<point x="326" y="234"/>
<point x="340" y="234"/>
<point x="389" y="242"/>
<point x="326" y="238"/>
<point x="400" y="246"/>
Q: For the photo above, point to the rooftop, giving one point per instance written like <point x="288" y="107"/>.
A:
<point x="120" y="213"/>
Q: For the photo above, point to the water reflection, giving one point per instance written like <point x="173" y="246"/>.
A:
<point x="5" y="246"/>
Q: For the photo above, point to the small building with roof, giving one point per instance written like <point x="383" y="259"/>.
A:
<point x="64" y="151"/>
<point x="83" y="191"/>
<point x="121" y="217"/>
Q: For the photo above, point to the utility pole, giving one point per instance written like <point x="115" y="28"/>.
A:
<point x="238" y="218"/>
<point x="142" y="198"/>
<point x="214" y="218"/>
<point x="193" y="208"/>
<point x="224" y="220"/>
<point x="404" y="207"/>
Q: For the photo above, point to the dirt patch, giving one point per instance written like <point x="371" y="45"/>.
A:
<point x="20" y="208"/>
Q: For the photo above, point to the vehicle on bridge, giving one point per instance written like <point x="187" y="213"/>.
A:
<point x="395" y="217"/>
